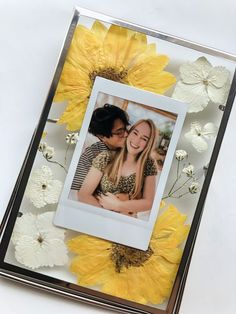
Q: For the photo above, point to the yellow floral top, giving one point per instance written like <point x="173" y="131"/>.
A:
<point x="126" y="184"/>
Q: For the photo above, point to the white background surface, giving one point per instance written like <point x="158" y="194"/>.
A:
<point x="31" y="34"/>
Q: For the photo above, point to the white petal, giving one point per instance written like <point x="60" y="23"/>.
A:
<point x="44" y="223"/>
<point x="53" y="191"/>
<point x="218" y="76"/>
<point x="203" y="66"/>
<point x="41" y="175"/>
<point x="189" y="136"/>
<point x="196" y="127"/>
<point x="34" y="254"/>
<point x="194" y="95"/>
<point x="36" y="196"/>
<point x="56" y="253"/>
<point x="190" y="74"/>
<point x="25" y="225"/>
<point x="28" y="252"/>
<point x="46" y="172"/>
<point x="218" y="95"/>
<point x="195" y="130"/>
<point x="199" y="144"/>
<point x="209" y="130"/>
<point x="39" y="195"/>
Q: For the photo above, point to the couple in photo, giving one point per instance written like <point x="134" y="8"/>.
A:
<point x="117" y="173"/>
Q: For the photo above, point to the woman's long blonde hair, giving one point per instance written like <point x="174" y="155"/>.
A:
<point x="114" y="168"/>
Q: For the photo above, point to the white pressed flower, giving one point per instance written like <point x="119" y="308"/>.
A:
<point x="198" y="135"/>
<point x="38" y="243"/>
<point x="200" y="83"/>
<point x="72" y="138"/>
<point x="189" y="170"/>
<point x="193" y="188"/>
<point x="48" y="152"/>
<point x="42" y="146"/>
<point x="42" y="189"/>
<point x="180" y="154"/>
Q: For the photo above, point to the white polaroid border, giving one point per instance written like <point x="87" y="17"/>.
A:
<point x="106" y="224"/>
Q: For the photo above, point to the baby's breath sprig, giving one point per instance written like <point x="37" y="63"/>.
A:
<point x="48" y="153"/>
<point x="187" y="184"/>
<point x="71" y="139"/>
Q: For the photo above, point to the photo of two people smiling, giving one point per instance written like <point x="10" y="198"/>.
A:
<point x="119" y="171"/>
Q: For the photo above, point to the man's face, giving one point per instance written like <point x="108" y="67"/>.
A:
<point x="119" y="134"/>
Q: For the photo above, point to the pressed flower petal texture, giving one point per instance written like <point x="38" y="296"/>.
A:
<point x="199" y="135"/>
<point x="201" y="83"/>
<point x="151" y="272"/>
<point x="42" y="189"/>
<point x="38" y="243"/>
<point x="115" y="53"/>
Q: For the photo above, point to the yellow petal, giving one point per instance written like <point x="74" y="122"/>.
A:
<point x="149" y="52"/>
<point x="168" y="222"/>
<point x="44" y="134"/>
<point x="150" y="283"/>
<point x="84" y="244"/>
<point x="137" y="44"/>
<point x="91" y="271"/>
<point x="172" y="255"/>
<point x="73" y="116"/>
<point x="84" y="49"/>
<point x="74" y="85"/>
<point x="156" y="80"/>
<point x="114" y="46"/>
<point x="99" y="30"/>
<point x="173" y="240"/>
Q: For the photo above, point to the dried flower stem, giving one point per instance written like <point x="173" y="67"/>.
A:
<point x="183" y="185"/>
<point x="177" y="178"/>
<point x="57" y="163"/>
<point x="181" y="195"/>
<point x="68" y="146"/>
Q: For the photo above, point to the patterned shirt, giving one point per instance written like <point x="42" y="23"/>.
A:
<point x="85" y="163"/>
<point x="126" y="184"/>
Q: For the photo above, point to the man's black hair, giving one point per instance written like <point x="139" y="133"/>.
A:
<point x="103" y="119"/>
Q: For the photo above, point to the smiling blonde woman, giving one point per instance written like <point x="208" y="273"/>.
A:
<point x="124" y="181"/>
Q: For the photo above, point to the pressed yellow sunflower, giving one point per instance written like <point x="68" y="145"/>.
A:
<point x="132" y="274"/>
<point x="115" y="53"/>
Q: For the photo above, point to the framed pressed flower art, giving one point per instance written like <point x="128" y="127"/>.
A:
<point x="108" y="202"/>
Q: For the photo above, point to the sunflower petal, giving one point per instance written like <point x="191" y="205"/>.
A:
<point x="156" y="80"/>
<point x="99" y="30"/>
<point x="150" y="283"/>
<point x="114" y="46"/>
<point x="173" y="240"/>
<point x="137" y="44"/>
<point x="73" y="116"/>
<point x="168" y="222"/>
<point x="84" y="244"/>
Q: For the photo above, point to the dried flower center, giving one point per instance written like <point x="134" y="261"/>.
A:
<point x="40" y="239"/>
<point x="205" y="82"/>
<point x="110" y="74"/>
<point x="123" y="256"/>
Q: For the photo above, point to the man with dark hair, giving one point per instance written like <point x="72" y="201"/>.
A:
<point x="108" y="124"/>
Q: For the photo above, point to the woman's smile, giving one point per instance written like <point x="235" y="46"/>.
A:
<point x="138" y="138"/>
<point x="134" y="145"/>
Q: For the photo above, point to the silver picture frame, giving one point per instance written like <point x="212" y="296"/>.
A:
<point x="70" y="290"/>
